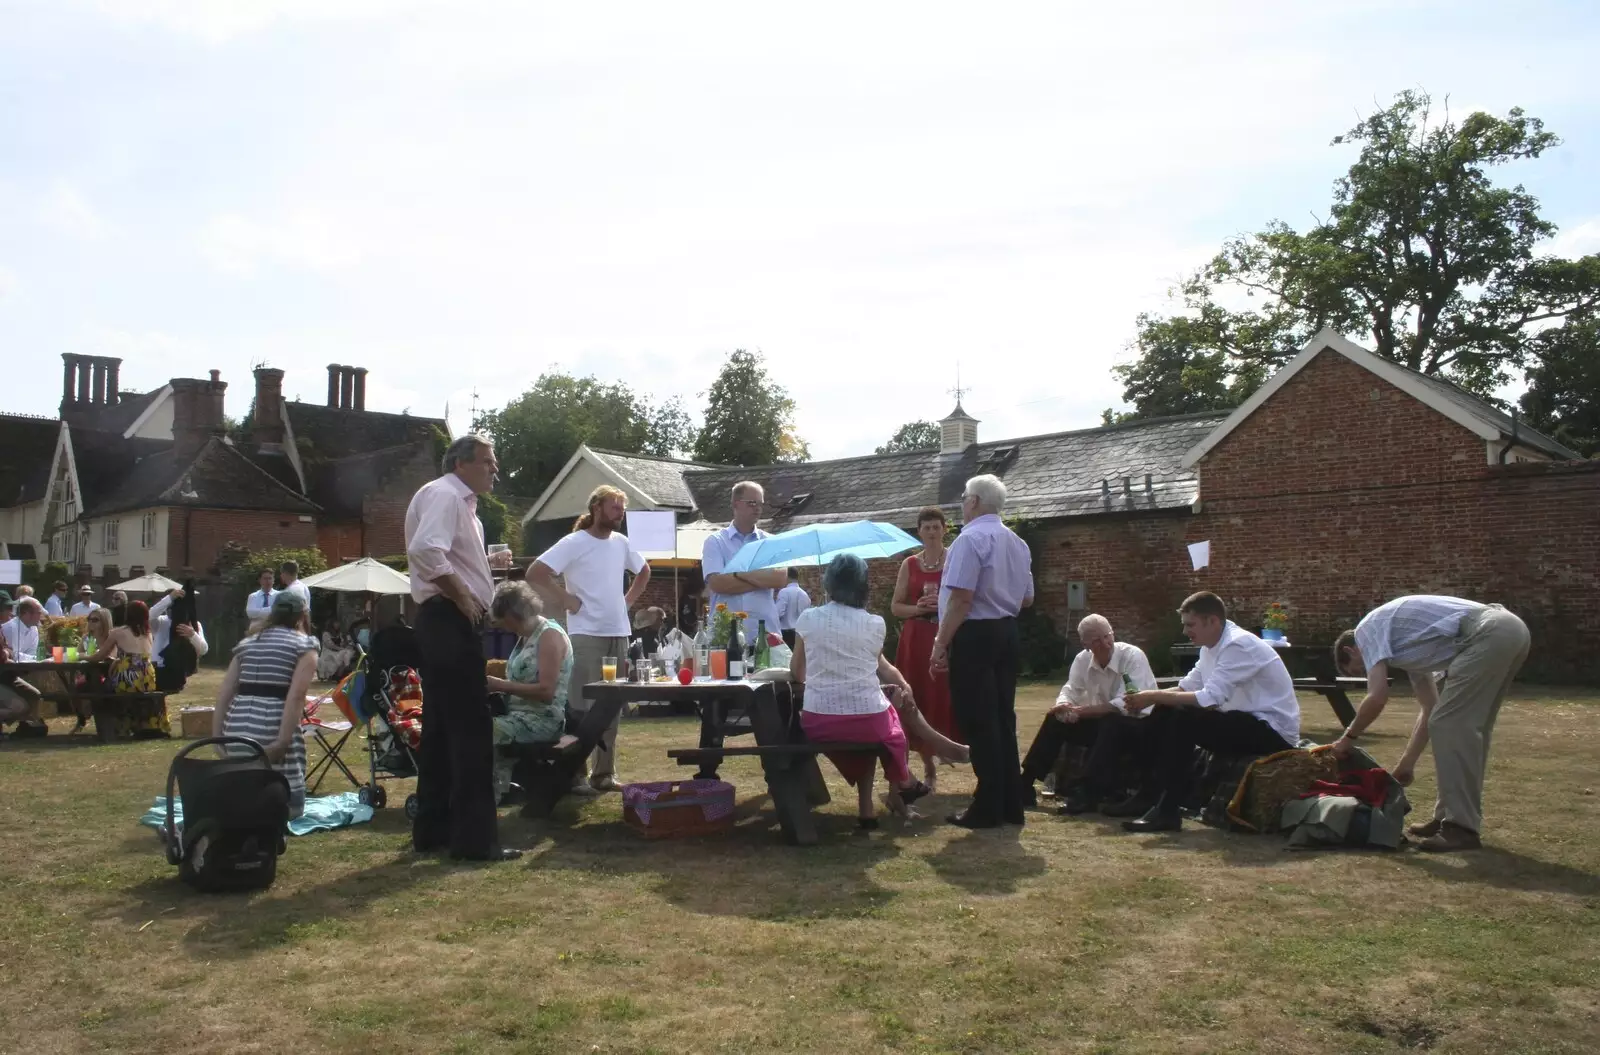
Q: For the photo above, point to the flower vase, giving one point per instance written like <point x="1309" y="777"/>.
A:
<point x="1270" y="634"/>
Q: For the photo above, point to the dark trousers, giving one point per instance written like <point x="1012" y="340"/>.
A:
<point x="1179" y="730"/>
<point x="984" y="657"/>
<point x="1107" y="737"/>
<point x="789" y="639"/>
<point x="455" y="787"/>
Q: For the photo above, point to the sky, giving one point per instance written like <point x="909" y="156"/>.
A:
<point x="460" y="196"/>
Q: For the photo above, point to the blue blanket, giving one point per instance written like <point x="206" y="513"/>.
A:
<point x="323" y="813"/>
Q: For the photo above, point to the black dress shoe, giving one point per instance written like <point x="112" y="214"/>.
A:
<point x="967" y="820"/>
<point x="499" y="853"/>
<point x="1132" y="806"/>
<point x="1159" y="819"/>
<point x="1075" y="803"/>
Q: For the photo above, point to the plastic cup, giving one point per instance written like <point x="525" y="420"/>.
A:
<point x="719" y="663"/>
<point x="608" y="668"/>
<point x="58" y="654"/>
<point x="72" y="653"/>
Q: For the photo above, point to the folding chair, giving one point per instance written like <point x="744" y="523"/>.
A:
<point x="322" y="731"/>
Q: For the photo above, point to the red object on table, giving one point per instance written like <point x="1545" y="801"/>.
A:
<point x="685" y="675"/>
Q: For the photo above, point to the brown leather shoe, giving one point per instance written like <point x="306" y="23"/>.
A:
<point x="1425" y="830"/>
<point x="1451" y="838"/>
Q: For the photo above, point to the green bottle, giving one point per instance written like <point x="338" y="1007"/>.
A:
<point x="763" y="650"/>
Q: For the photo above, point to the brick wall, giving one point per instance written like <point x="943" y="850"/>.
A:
<point x="195" y="537"/>
<point x="340" y="542"/>
<point x="383" y="513"/>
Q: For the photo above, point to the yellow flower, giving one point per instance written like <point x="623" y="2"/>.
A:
<point x="721" y="607"/>
<point x="742" y="615"/>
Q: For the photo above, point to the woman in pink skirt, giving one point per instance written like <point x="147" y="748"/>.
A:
<point x="838" y="655"/>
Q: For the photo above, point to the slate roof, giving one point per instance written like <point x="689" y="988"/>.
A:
<point x="1062" y="474"/>
<point x="339" y="486"/>
<point x="660" y="478"/>
<point x="219" y="477"/>
<point x="117" y="419"/>
<point x="27" y="444"/>
<point x="334" y="432"/>
<point x="106" y="463"/>
<point x="1496" y="417"/>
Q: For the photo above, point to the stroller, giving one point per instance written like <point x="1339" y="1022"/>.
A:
<point x="235" y="817"/>
<point x="385" y="695"/>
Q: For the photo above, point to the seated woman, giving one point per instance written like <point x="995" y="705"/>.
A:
<point x="133" y="673"/>
<point x="537" y="675"/>
<point x="838" y="655"/>
<point x="337" y="655"/>
<point x="263" y="695"/>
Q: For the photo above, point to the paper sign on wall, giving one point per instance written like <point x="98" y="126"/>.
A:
<point x="653" y="532"/>
<point x="1200" y="554"/>
<point x="10" y="572"/>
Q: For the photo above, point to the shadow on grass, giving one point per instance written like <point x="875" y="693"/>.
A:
<point x="59" y="742"/>
<point x="987" y="861"/>
<point x="1506" y="869"/>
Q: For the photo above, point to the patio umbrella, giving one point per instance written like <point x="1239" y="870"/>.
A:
<point x="148" y="584"/>
<point x="361" y="576"/>
<point x="818" y="544"/>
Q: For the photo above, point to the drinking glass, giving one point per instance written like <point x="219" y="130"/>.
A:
<point x="719" y="664"/>
<point x="499" y="556"/>
<point x="608" y="668"/>
<point x="72" y="653"/>
<point x="58" y="654"/>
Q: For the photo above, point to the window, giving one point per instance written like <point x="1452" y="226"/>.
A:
<point x="147" y="531"/>
<point x="108" y="535"/>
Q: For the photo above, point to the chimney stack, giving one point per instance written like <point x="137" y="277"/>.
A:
<point x="88" y="383"/>
<point x="267" y="430"/>
<point x="360" y="388"/>
<point x="196" y="414"/>
<point x="333" y="384"/>
<point x="347" y="387"/>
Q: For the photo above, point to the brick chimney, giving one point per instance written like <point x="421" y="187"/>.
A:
<point x="88" y="385"/>
<point x="360" y="373"/>
<point x="196" y="413"/>
<point x="334" y="370"/>
<point x="267" y="431"/>
<point x="347" y="387"/>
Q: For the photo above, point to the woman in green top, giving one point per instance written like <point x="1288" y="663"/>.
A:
<point x="535" y="685"/>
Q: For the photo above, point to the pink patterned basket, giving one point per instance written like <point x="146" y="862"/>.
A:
<point x="667" y="809"/>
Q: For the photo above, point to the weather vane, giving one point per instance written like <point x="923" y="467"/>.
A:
<point x="958" y="391"/>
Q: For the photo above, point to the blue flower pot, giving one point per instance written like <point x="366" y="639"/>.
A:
<point x="1272" y="635"/>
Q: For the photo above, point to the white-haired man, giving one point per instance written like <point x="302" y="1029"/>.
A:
<point x="1088" y="704"/>
<point x="988" y="579"/>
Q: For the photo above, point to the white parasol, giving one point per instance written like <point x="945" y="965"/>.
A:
<point x="361" y="576"/>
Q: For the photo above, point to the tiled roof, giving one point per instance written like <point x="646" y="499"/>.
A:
<point x="1498" y="418"/>
<point x="1058" y="475"/>
<point x="220" y="477"/>
<point x="339" y="486"/>
<point x="660" y="478"/>
<point x="336" y="433"/>
<point x="27" y="444"/>
<point x="105" y="462"/>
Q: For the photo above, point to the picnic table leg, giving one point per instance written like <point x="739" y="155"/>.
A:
<point x="787" y="779"/>
<point x="816" y="786"/>
<point x="1342" y="707"/>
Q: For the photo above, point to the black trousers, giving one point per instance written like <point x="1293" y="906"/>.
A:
<point x="455" y="788"/>
<point x="1179" y="730"/>
<point x="1108" y="737"/>
<point x="984" y="657"/>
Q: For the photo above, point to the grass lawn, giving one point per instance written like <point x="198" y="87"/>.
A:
<point x="1066" y="937"/>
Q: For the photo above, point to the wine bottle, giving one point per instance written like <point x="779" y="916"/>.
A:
<point x="763" y="649"/>
<point x="735" y="648"/>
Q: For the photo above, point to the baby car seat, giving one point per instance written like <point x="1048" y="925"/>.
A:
<point x="235" y="817"/>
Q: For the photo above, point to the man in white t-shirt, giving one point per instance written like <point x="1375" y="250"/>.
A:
<point x="591" y="562"/>
<point x="86" y="602"/>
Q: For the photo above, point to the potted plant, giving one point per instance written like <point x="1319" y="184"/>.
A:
<point x="1275" y="622"/>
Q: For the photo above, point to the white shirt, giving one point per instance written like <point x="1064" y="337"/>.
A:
<point x="715" y="554"/>
<point x="1419" y="634"/>
<point x="1244" y="673"/>
<point x="792" y="600"/>
<point x="304" y="591"/>
<point x="1089" y="684"/>
<point x="52" y="605"/>
<point x="443" y="537"/>
<point x="842" y="649"/>
<point x="23" y="639"/>
<point x="82" y="608"/>
<point x="161" y="632"/>
<point x="592" y="569"/>
<point x="259" y="604"/>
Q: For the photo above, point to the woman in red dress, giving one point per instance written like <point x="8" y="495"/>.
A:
<point x="916" y="603"/>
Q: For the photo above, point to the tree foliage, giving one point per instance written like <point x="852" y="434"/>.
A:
<point x="1563" y="397"/>
<point x="537" y="432"/>
<point x="912" y="436"/>
<point x="749" y="417"/>
<point x="1422" y="257"/>
<point x="500" y="524"/>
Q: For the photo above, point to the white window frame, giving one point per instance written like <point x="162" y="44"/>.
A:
<point x="110" y="530"/>
<point x="147" y="531"/>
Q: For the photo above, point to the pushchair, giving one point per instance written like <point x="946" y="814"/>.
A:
<point x="235" y="817"/>
<point x="384" y="695"/>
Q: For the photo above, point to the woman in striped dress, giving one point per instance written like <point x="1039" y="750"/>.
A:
<point x="263" y="694"/>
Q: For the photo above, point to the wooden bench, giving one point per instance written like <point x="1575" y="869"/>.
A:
<point x="545" y="772"/>
<point x="1336" y="692"/>
<point x="104" y="707"/>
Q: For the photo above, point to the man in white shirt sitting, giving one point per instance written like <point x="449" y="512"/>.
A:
<point x="1089" y="703"/>
<point x="19" y="701"/>
<point x="86" y="602"/>
<point x="259" y="604"/>
<point x="1239" y="700"/>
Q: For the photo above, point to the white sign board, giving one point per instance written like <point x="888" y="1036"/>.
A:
<point x="653" y="532"/>
<point x="10" y="572"/>
<point x="1200" y="554"/>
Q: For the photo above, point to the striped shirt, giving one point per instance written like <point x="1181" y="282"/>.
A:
<point x="1419" y="633"/>
<point x="269" y="658"/>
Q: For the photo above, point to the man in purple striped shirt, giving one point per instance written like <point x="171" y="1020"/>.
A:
<point x="988" y="579"/>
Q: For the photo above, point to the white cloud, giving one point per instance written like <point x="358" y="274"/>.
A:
<point x="238" y="245"/>
<point x="1575" y="241"/>
<point x="64" y="209"/>
<point x="220" y="21"/>
<point x="8" y="282"/>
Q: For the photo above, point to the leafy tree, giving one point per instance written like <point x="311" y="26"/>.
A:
<point x="749" y="417"/>
<point x="1563" y="397"/>
<point x="499" y="523"/>
<point x="1421" y="257"/>
<point x="912" y="436"/>
<point x="537" y="432"/>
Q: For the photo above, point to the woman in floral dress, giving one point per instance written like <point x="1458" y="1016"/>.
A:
<point x="537" y="676"/>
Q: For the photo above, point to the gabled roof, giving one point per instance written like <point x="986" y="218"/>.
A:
<point x="219" y="477"/>
<point x="1062" y="474"/>
<point x="1466" y="410"/>
<point x="105" y="462"/>
<point x="334" y="432"/>
<point x="657" y="480"/>
<point x="27" y="447"/>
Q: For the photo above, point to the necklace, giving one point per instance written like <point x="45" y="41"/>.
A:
<point x="922" y="559"/>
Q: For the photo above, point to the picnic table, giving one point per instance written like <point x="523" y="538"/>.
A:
<point x="103" y="705"/>
<point x="1312" y="668"/>
<point x="788" y="760"/>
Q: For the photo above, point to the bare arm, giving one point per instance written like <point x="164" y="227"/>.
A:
<point x="552" y="653"/>
<point x="889" y="674"/>
<point x="543" y="579"/>
<point x="1372" y="705"/>
<point x="797" y="662"/>
<point x="1427" y="691"/>
<point x="108" y="647"/>
<point x="727" y="583"/>
<point x="631" y="598"/>
<point x="904" y="605"/>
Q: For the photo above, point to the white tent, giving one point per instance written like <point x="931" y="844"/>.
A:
<point x="361" y="576"/>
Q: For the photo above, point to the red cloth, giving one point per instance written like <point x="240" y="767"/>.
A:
<point x="932" y="692"/>
<point x="1371" y="786"/>
<point x="882" y="727"/>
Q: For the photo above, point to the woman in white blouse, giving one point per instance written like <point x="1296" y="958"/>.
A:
<point x="838" y="655"/>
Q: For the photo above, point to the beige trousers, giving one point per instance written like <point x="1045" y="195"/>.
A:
<point x="588" y="655"/>
<point x="1494" y="644"/>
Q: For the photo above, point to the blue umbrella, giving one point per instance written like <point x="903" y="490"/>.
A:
<point x="820" y="543"/>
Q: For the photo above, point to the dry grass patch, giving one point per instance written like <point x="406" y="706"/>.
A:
<point x="1066" y="937"/>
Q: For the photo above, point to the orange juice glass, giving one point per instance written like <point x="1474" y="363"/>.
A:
<point x="719" y="663"/>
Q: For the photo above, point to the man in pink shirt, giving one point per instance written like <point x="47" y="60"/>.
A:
<point x="451" y="582"/>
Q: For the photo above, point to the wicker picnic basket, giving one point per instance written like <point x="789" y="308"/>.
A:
<point x="1276" y="779"/>
<point x="671" y="809"/>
